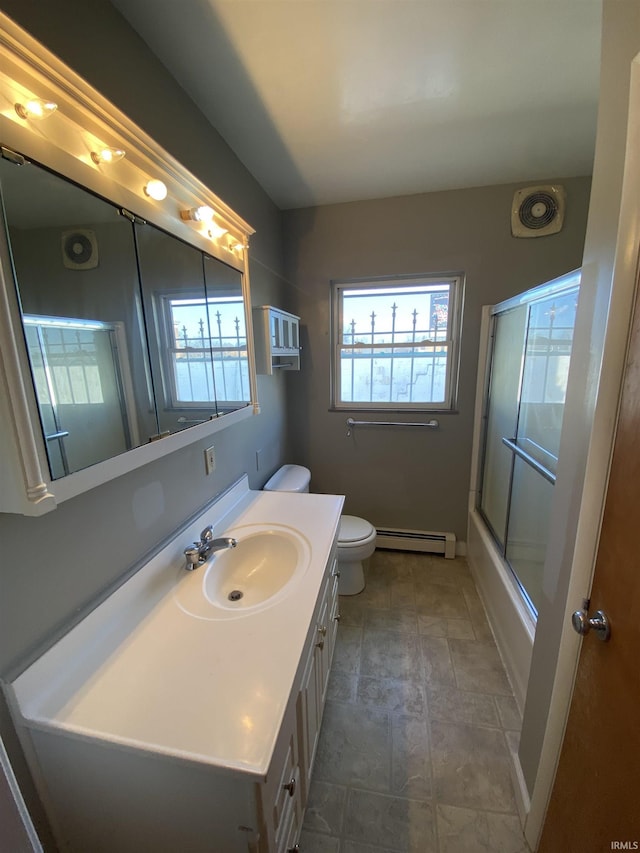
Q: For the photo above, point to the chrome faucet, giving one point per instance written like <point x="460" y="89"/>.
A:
<point x="200" y="551"/>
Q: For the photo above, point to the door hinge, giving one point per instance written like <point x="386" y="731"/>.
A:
<point x="13" y="156"/>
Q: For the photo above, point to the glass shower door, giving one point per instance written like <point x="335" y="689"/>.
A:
<point x="532" y="337"/>
<point x="78" y="383"/>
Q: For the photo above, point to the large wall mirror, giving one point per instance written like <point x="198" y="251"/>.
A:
<point x="125" y="318"/>
<point x="131" y="333"/>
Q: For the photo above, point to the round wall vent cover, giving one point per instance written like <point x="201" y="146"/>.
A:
<point x="79" y="249"/>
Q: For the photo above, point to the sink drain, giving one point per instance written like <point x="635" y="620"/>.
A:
<point x="235" y="595"/>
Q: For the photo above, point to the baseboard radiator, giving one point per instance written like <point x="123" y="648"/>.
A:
<point x="417" y="540"/>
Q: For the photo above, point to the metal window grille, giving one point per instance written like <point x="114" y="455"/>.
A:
<point x="395" y="343"/>
<point x="208" y="353"/>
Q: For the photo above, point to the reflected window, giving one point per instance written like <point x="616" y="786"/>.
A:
<point x="207" y="348"/>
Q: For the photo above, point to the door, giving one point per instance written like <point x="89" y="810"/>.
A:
<point x="594" y="802"/>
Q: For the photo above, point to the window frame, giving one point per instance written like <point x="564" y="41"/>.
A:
<point x="455" y="281"/>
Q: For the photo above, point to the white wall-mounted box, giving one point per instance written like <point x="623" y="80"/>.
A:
<point x="277" y="339"/>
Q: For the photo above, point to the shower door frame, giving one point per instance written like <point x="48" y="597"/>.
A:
<point x="556" y="287"/>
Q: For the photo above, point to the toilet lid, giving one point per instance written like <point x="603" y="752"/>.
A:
<point x="353" y="529"/>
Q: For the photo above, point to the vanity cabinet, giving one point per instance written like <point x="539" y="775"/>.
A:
<point x="315" y="676"/>
<point x="110" y="782"/>
<point x="277" y="339"/>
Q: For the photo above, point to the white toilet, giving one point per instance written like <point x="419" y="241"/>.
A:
<point x="356" y="537"/>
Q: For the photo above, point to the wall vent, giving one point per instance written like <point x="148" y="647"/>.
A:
<point x="538" y="211"/>
<point x="417" y="540"/>
<point x="79" y="249"/>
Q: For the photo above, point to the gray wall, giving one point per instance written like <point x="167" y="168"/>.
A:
<point x="415" y="479"/>
<point x="53" y="568"/>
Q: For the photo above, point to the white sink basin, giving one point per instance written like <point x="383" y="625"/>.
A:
<point x="259" y="572"/>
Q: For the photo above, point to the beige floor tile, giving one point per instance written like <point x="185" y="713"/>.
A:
<point x="391" y="694"/>
<point x="395" y="823"/>
<point x="509" y="714"/>
<point x="471" y="767"/>
<point x="438" y="668"/>
<point x="437" y="626"/>
<point x="457" y="706"/>
<point x="342" y="687"/>
<point x="387" y="654"/>
<point x="346" y="657"/>
<point x="325" y="808"/>
<point x="312" y="842"/>
<point x="403" y="596"/>
<point x="436" y="599"/>
<point x="478" y="667"/>
<point x="402" y="621"/>
<point x="469" y="831"/>
<point x="357" y="847"/>
<point x="410" y="757"/>
<point x="352" y="612"/>
<point x="354" y="747"/>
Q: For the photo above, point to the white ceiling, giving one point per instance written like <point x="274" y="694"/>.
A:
<point x="336" y="100"/>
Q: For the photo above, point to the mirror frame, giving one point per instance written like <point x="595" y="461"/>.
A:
<point x="84" y="122"/>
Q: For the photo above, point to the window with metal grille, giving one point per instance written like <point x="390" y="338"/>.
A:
<point x="396" y="342"/>
<point x="207" y="350"/>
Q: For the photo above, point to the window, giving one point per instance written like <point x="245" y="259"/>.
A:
<point x="395" y="342"/>
<point x="207" y="350"/>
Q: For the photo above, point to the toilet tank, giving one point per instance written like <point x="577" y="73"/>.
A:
<point x="289" y="478"/>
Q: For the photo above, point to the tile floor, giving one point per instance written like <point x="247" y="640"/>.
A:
<point x="414" y="749"/>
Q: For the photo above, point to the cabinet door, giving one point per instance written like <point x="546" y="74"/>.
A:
<point x="308" y="719"/>
<point x="286" y="798"/>
<point x="334" y="610"/>
<point x="324" y="649"/>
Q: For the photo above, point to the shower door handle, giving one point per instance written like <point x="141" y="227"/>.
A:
<point x="583" y="623"/>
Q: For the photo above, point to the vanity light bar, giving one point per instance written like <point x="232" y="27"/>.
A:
<point x="82" y="125"/>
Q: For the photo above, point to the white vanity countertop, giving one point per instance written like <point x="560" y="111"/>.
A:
<point x="141" y="672"/>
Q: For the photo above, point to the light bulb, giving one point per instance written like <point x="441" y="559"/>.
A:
<point x="36" y="108"/>
<point x="204" y="213"/>
<point x="215" y="231"/>
<point x="107" y="156"/>
<point x="156" y="189"/>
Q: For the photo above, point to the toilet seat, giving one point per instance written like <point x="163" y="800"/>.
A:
<point x="354" y="531"/>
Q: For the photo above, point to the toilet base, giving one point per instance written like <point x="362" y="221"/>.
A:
<point x="351" y="580"/>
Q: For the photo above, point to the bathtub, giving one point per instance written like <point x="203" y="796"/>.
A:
<point x="511" y="620"/>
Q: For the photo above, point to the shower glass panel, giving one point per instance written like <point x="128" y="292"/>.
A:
<point x="529" y="513"/>
<point x="531" y="340"/>
<point x="81" y="395"/>
<point x="502" y="417"/>
<point x="544" y="382"/>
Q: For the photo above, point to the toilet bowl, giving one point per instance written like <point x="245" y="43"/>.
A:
<point x="356" y="537"/>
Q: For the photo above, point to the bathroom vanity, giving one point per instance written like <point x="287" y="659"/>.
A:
<point x="179" y="716"/>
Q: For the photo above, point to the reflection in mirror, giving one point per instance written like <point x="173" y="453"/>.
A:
<point x="75" y="267"/>
<point x="196" y="326"/>
<point x="173" y="293"/>
<point x="225" y="309"/>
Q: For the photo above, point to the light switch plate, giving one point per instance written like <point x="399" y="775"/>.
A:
<point x="210" y="460"/>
